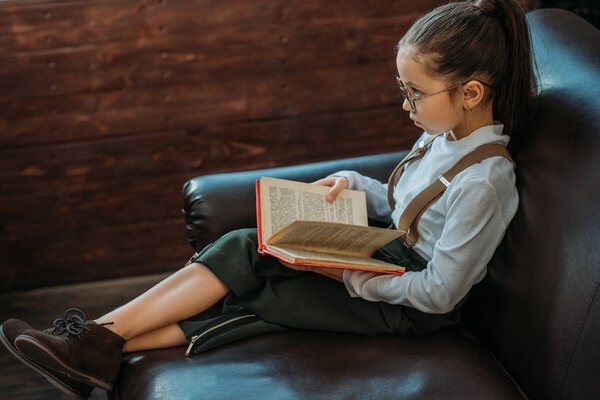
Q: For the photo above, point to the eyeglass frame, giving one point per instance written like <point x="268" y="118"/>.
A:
<point x="411" y="98"/>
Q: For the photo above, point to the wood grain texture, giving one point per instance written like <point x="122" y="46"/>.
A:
<point x="109" y="106"/>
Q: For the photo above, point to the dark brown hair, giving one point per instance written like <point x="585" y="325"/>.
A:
<point x="482" y="39"/>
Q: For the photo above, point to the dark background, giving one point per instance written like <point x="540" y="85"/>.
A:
<point x="588" y="9"/>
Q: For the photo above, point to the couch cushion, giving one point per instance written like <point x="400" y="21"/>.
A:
<point x="295" y="364"/>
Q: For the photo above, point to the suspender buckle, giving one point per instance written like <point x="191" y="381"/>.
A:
<point x="407" y="241"/>
<point x="444" y="180"/>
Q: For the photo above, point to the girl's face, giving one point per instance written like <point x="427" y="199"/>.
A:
<point x="438" y="111"/>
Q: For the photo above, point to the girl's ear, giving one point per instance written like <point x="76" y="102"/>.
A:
<point x="473" y="93"/>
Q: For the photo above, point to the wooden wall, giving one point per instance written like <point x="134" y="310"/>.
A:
<point x="108" y="106"/>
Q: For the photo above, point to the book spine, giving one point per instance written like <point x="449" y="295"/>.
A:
<point x="261" y="246"/>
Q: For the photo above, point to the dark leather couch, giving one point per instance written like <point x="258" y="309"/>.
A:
<point x="531" y="329"/>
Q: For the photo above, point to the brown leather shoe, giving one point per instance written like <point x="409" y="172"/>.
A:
<point x="9" y="331"/>
<point x="84" y="350"/>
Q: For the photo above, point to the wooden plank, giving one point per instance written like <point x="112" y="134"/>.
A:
<point x="119" y="181"/>
<point x="201" y="105"/>
<point x="65" y="206"/>
<point x="195" y="58"/>
<point x="34" y="25"/>
<point x="57" y="256"/>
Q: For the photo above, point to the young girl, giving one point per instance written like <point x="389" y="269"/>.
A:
<point x="461" y="68"/>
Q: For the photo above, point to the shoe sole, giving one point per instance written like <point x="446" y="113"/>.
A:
<point x="36" y="350"/>
<point x="63" y="387"/>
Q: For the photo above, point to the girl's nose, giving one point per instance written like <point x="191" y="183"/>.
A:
<point x="406" y="105"/>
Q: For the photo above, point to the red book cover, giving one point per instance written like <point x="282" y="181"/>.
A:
<point x="261" y="246"/>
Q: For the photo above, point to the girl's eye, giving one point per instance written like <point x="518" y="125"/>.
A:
<point x="416" y="92"/>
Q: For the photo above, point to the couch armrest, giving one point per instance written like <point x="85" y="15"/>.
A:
<point x="218" y="203"/>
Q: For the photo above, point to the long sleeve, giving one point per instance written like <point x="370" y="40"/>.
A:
<point x="378" y="208"/>
<point x="474" y="227"/>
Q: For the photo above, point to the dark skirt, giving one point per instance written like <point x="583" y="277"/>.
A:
<point x="306" y="300"/>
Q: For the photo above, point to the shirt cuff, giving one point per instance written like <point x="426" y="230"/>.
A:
<point x="346" y="279"/>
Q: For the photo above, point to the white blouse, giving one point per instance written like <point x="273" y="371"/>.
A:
<point x="458" y="233"/>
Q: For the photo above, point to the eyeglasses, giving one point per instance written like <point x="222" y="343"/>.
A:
<point x="411" y="97"/>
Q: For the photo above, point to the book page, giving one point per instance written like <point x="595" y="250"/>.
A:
<point x="283" y="202"/>
<point x="333" y="238"/>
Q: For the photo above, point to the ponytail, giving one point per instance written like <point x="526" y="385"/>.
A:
<point x="482" y="39"/>
<point x="513" y="102"/>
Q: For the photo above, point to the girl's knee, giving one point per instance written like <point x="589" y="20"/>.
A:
<point x="241" y="238"/>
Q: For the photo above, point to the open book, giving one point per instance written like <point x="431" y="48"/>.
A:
<point x="297" y="225"/>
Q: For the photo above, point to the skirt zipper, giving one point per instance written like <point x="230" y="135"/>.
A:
<point x="191" y="258"/>
<point x="195" y="338"/>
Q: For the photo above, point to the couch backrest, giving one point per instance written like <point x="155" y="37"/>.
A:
<point x="542" y="303"/>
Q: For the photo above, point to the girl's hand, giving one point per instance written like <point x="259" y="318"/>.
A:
<point x="333" y="273"/>
<point x="337" y="184"/>
<point x="295" y="267"/>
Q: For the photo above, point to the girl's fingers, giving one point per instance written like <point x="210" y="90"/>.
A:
<point x="339" y="185"/>
<point x="325" y="182"/>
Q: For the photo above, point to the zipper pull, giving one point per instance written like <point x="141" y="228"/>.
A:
<point x="191" y="258"/>
<point x="189" y="349"/>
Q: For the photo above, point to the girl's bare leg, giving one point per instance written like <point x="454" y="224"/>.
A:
<point x="186" y="293"/>
<point x="167" y="336"/>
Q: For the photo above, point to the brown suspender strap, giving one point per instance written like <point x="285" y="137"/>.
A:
<point x="409" y="219"/>
<point x="414" y="154"/>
